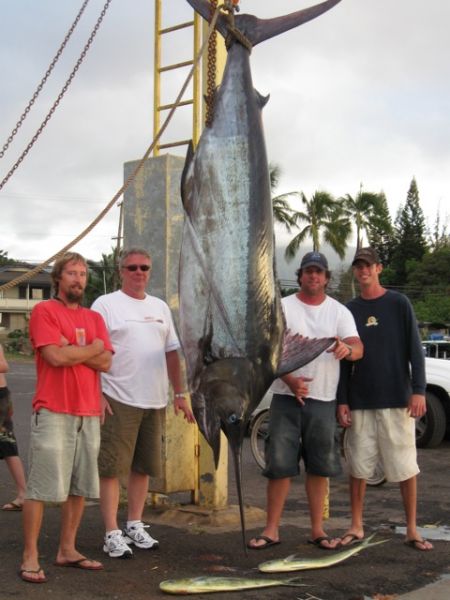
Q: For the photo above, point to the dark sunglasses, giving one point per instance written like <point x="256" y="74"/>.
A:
<point x="136" y="267"/>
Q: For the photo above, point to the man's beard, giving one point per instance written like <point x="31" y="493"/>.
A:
<point x="75" y="295"/>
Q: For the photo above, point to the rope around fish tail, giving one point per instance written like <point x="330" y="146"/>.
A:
<point x="234" y="33"/>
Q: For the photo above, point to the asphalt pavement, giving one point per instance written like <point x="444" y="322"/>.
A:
<point x="197" y="542"/>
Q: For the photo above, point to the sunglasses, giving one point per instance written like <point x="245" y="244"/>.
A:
<point x="136" y="267"/>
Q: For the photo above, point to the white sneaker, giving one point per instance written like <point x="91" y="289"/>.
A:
<point x="115" y="545"/>
<point x="137" y="535"/>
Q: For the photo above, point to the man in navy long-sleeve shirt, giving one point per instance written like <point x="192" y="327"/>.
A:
<point x="380" y="395"/>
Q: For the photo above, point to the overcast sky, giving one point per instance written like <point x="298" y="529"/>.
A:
<point x="359" y="95"/>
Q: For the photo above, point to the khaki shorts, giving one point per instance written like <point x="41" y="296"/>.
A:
<point x="385" y="436"/>
<point x="63" y="457"/>
<point x="131" y="440"/>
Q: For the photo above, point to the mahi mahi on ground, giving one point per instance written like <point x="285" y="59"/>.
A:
<point x="231" y="323"/>
<point x="205" y="585"/>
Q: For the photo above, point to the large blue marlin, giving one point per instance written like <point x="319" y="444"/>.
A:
<point x="231" y="322"/>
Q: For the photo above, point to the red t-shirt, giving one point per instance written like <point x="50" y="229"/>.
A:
<point x="73" y="390"/>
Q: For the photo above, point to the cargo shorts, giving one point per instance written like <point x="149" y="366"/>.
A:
<point x="298" y="432"/>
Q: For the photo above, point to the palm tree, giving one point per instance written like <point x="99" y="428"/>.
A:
<point x="102" y="277"/>
<point x="324" y="218"/>
<point x="282" y="211"/>
<point x="366" y="210"/>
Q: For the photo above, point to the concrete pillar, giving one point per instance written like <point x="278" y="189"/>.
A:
<point x="153" y="219"/>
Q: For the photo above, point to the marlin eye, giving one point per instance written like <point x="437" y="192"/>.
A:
<point x="233" y="418"/>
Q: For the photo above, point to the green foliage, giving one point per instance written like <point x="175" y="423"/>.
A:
<point x="370" y="214"/>
<point x="388" y="277"/>
<point x="283" y="213"/>
<point x="288" y="291"/>
<point x="439" y="237"/>
<point x="323" y="218"/>
<point x="4" y="260"/>
<point x="18" y="342"/>
<point x="103" y="277"/>
<point x="410" y="239"/>
<point x="434" y="308"/>
<point x="381" y="230"/>
<point x="344" y="288"/>
<point x="430" y="278"/>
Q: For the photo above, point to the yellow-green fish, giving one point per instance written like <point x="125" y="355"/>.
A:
<point x="295" y="563"/>
<point x="205" y="585"/>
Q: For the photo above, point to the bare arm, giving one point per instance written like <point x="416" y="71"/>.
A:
<point x="68" y="356"/>
<point x="350" y="348"/>
<point x="175" y="378"/>
<point x="4" y="367"/>
<point x="298" y="386"/>
<point x="101" y="362"/>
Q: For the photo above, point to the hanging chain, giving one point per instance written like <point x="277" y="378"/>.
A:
<point x="211" y="71"/>
<point x="132" y="176"/>
<point x="60" y="96"/>
<point x="43" y="82"/>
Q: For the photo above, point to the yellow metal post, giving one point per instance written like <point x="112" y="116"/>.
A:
<point x="211" y="489"/>
<point x="157" y="74"/>
<point x="197" y="84"/>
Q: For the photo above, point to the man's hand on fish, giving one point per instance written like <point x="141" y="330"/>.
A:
<point x="341" y="350"/>
<point x="181" y="404"/>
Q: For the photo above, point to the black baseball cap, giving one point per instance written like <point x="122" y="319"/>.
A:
<point x="314" y="259"/>
<point x="368" y="255"/>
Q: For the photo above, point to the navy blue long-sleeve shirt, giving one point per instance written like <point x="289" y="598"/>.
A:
<point x="393" y="365"/>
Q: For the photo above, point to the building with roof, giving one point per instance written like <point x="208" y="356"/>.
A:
<point x="17" y="302"/>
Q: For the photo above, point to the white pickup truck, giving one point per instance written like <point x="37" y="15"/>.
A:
<point x="431" y="429"/>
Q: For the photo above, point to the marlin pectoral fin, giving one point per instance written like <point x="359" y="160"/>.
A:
<point x="299" y="351"/>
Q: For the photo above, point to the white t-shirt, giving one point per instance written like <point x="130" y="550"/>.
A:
<point x="324" y="320"/>
<point x="141" y="332"/>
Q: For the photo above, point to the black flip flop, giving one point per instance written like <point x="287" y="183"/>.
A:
<point x="80" y="564"/>
<point x="318" y="542"/>
<point x="268" y="542"/>
<point x="23" y="574"/>
<point x="354" y="539"/>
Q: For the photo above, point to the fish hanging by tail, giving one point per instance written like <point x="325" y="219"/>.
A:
<point x="232" y="327"/>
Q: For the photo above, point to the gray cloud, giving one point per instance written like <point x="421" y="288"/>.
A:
<point x="359" y="95"/>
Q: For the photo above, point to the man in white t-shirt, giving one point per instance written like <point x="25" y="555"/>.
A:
<point x="135" y="393"/>
<point x="302" y="420"/>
